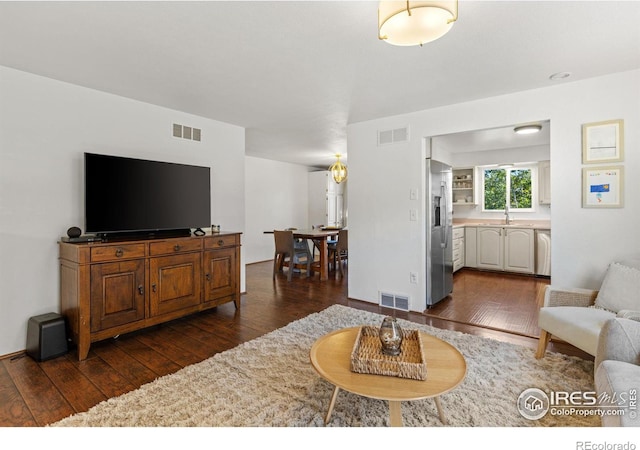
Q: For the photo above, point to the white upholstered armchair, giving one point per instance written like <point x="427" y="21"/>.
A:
<point x="617" y="370"/>
<point x="576" y="315"/>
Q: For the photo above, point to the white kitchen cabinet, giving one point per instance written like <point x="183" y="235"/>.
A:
<point x="326" y="200"/>
<point x="490" y="248"/>
<point x="543" y="252"/>
<point x="470" y="246"/>
<point x="458" y="248"/>
<point x="544" y="182"/>
<point x="506" y="249"/>
<point x="519" y="250"/>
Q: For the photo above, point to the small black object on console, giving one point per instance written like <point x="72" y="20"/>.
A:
<point x="74" y="232"/>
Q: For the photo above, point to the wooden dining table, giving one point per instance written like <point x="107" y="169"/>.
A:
<point x="319" y="237"/>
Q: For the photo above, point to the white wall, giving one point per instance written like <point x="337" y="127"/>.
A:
<point x="385" y="246"/>
<point x="276" y="198"/>
<point x="46" y="126"/>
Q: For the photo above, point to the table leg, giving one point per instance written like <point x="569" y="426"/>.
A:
<point x="332" y="403"/>
<point x="395" y="414"/>
<point x="324" y="263"/>
<point x="440" y="411"/>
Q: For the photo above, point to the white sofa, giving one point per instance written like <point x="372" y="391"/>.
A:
<point x="617" y="372"/>
<point x="577" y="315"/>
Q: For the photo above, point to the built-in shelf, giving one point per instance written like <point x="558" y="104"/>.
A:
<point x="463" y="186"/>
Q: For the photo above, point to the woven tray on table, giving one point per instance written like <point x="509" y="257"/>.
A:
<point x="367" y="356"/>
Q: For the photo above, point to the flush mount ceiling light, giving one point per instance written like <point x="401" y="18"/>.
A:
<point x="415" y="23"/>
<point x="338" y="170"/>
<point x="560" y="76"/>
<point x="528" y="129"/>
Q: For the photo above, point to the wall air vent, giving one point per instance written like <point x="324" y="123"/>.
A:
<point x="386" y="137"/>
<point x="394" y="301"/>
<point x="185" y="132"/>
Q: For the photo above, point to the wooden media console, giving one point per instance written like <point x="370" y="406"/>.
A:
<point x="112" y="288"/>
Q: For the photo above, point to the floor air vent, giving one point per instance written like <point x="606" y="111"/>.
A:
<point x="393" y="136"/>
<point x="394" y="301"/>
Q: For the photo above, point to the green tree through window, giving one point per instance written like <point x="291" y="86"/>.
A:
<point x="495" y="188"/>
<point x="510" y="187"/>
<point x="520" y="189"/>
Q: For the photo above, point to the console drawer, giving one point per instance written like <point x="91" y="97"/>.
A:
<point x="220" y="241"/>
<point x="117" y="252"/>
<point x="174" y="246"/>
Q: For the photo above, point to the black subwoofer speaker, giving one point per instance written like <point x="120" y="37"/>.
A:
<point x="46" y="337"/>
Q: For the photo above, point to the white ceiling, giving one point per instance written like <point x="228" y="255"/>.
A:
<point x="492" y="139"/>
<point x="294" y="74"/>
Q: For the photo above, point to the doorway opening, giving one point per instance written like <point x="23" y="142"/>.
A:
<point x="496" y="298"/>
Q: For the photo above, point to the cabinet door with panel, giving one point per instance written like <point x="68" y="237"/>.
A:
<point x="175" y="282"/>
<point x="220" y="274"/>
<point x="117" y="294"/>
<point x="519" y="253"/>
<point x="221" y="266"/>
<point x="490" y="248"/>
<point x="470" y="247"/>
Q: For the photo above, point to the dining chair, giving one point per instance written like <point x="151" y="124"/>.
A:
<point x="285" y="247"/>
<point x="341" y="250"/>
<point x="300" y="244"/>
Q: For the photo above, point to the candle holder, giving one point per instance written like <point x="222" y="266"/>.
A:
<point x="390" y="336"/>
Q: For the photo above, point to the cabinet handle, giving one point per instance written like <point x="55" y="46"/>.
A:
<point x="119" y="252"/>
<point x="141" y="290"/>
<point x="153" y="287"/>
<point x="220" y="243"/>
<point x="208" y="277"/>
<point x="176" y="247"/>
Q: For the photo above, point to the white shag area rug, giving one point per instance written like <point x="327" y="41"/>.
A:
<point x="269" y="382"/>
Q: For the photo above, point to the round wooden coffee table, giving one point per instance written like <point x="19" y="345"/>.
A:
<point x="331" y="358"/>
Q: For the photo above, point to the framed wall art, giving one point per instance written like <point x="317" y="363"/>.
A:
<point x="602" y="187"/>
<point x="603" y="142"/>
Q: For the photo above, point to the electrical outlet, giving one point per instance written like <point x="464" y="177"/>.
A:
<point x="413" y="277"/>
<point x="413" y="215"/>
<point x="413" y="194"/>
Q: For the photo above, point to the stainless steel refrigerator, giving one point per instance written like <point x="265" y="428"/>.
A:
<point x="439" y="223"/>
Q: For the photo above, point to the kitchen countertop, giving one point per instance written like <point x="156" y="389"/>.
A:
<point x="533" y="224"/>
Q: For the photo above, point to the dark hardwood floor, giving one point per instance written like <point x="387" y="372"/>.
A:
<point x="37" y="394"/>
<point x="506" y="302"/>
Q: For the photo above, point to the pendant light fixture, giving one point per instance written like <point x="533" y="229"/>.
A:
<point x="415" y="23"/>
<point x="338" y="170"/>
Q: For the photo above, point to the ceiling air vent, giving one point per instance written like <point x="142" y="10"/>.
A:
<point x="393" y="136"/>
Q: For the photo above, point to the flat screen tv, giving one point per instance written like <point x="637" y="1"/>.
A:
<point x="134" y="197"/>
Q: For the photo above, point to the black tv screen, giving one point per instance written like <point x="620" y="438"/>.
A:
<point x="126" y="195"/>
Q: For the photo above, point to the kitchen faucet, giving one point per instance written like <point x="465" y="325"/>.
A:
<point x="507" y="219"/>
